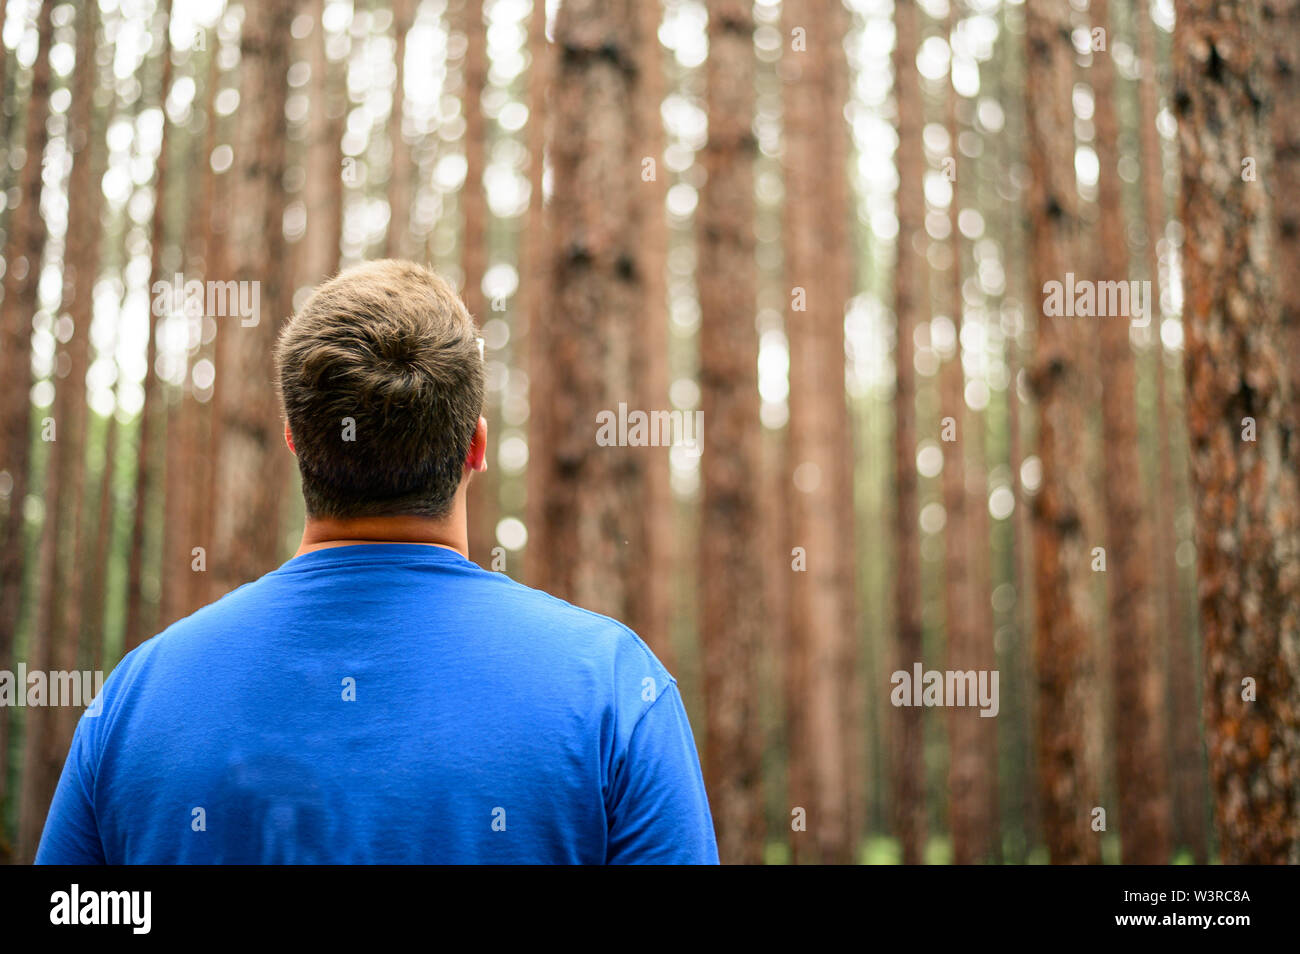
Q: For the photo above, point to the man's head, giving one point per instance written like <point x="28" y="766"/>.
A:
<point x="381" y="382"/>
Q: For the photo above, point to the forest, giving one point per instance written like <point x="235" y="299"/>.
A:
<point x="920" y="379"/>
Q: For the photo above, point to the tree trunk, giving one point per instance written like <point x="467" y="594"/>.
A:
<point x="482" y="503"/>
<point x="731" y="586"/>
<point x="141" y="620"/>
<point x="204" y="586"/>
<point x="651" y="611"/>
<point x="65" y="482"/>
<point x="815" y="329"/>
<point x="1140" y="735"/>
<point x="250" y="453"/>
<point x="909" y="742"/>
<point x="21" y="280"/>
<point x="535" y="278"/>
<point x="839" y="248"/>
<point x="1189" y="810"/>
<point x="187" y="462"/>
<point x="95" y="588"/>
<point x="398" y="242"/>
<point x="1281" y="20"/>
<point x="1066" y="684"/>
<point x="1011" y="222"/>
<point x="85" y="203"/>
<point x="324" y="185"/>
<point x="589" y="532"/>
<point x="968" y="781"/>
<point x="979" y="547"/>
<point x="1245" y="487"/>
<point x="185" y="458"/>
<point x="1026" y="789"/>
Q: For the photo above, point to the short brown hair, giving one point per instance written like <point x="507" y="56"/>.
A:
<point x="381" y="380"/>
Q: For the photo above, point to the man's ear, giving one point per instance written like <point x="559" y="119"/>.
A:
<point x="288" y="439"/>
<point x="477" y="459"/>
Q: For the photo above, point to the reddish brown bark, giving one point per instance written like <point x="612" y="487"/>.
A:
<point x="840" y="249"/>
<point x="1140" y="735"/>
<point x="1063" y="633"/>
<point x="731" y="606"/>
<point x="203" y="586"/>
<point x="590" y="495"/>
<point x="324" y="184"/>
<point x="250" y="453"/>
<point x="85" y="202"/>
<point x="1281" y="26"/>
<point x="815" y="330"/>
<point x="141" y="619"/>
<point x="186" y="417"/>
<point x="482" y="502"/>
<point x="185" y="458"/>
<point x="1246" y="497"/>
<point x="651" y="610"/>
<point x="95" y="593"/>
<point x="536" y="291"/>
<point x="22" y="274"/>
<point x="398" y="243"/>
<point x="57" y="616"/>
<point x="1188" y="762"/>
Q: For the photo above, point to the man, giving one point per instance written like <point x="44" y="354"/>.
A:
<point x="379" y="698"/>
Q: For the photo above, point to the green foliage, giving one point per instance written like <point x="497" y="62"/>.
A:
<point x="881" y="851"/>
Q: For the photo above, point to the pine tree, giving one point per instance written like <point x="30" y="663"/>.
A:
<point x="1063" y="634"/>
<point x="1247" y="502"/>
<point x="482" y="503"/>
<point x="731" y="606"/>
<point x="22" y="275"/>
<point x="141" y="620"/>
<point x="590" y="495"/>
<point x="251" y="458"/>
<point x="398" y="242"/>
<point x="1140" y="736"/>
<point x="650" y="613"/>
<point x="815" y="331"/>
<point x="908" y="750"/>
<point x="1187" y="765"/>
<point x="65" y="484"/>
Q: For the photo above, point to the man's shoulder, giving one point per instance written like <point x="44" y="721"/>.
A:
<point x="492" y="596"/>
<point x="549" y="631"/>
<point x="576" y="623"/>
<point x="189" y="637"/>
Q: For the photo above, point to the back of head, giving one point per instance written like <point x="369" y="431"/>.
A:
<point x="381" y="380"/>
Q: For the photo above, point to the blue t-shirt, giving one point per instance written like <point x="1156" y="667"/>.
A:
<point x="384" y="703"/>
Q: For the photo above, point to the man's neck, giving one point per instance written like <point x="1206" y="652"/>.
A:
<point x="321" y="533"/>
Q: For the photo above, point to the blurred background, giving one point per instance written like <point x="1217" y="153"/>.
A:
<point x="829" y="228"/>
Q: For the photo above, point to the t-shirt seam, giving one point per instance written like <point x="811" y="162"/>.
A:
<point x="627" y="749"/>
<point x="334" y="564"/>
<point x="641" y="718"/>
